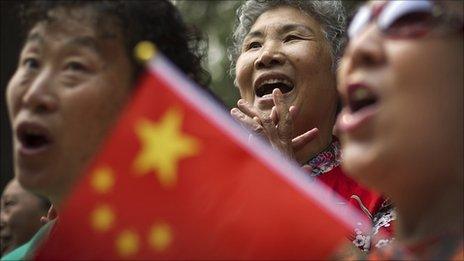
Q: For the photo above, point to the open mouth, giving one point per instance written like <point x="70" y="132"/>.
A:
<point x="362" y="104"/>
<point x="33" y="137"/>
<point x="267" y="86"/>
<point x="361" y="97"/>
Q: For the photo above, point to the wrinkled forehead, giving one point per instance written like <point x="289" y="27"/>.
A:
<point x="77" y="28"/>
<point x="282" y="15"/>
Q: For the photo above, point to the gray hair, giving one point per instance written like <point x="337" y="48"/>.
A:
<point x="330" y="15"/>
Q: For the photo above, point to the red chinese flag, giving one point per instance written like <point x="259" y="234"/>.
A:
<point x="178" y="179"/>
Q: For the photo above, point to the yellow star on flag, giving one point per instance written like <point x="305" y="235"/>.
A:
<point x="160" y="236"/>
<point x="127" y="243"/>
<point x="163" y="145"/>
<point x="102" y="218"/>
<point x="102" y="179"/>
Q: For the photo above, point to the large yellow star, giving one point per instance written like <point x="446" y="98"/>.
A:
<point x="163" y="145"/>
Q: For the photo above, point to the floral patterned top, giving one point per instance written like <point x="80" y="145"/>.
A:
<point x="382" y="229"/>
<point x="448" y="246"/>
<point x="326" y="167"/>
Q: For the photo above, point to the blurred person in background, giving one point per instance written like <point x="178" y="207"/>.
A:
<point x="284" y="58"/>
<point x="20" y="216"/>
<point x="76" y="71"/>
<point x="402" y="125"/>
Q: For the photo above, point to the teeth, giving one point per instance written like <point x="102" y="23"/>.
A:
<point x="360" y="94"/>
<point x="273" y="81"/>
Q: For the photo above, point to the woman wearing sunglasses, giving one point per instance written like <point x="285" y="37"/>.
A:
<point x="402" y="124"/>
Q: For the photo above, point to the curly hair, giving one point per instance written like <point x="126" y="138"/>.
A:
<point x="156" y="21"/>
<point x="330" y="14"/>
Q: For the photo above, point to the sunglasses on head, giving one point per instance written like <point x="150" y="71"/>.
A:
<point x="405" y="19"/>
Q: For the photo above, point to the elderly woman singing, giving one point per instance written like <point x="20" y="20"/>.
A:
<point x="284" y="58"/>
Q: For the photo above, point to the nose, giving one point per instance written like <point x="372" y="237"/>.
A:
<point x="366" y="49"/>
<point x="39" y="97"/>
<point x="269" y="56"/>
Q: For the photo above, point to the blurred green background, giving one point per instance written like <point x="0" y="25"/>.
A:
<point x="216" y="20"/>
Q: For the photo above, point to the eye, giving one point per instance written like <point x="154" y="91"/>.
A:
<point x="291" y="37"/>
<point x="76" y="66"/>
<point x="253" y="45"/>
<point x="8" y="203"/>
<point x="31" y="63"/>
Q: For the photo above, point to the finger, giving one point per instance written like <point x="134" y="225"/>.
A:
<point x="300" y="141"/>
<point x="282" y="144"/>
<point x="43" y="220"/>
<point x="285" y="121"/>
<point x="280" y="105"/>
<point x="266" y="122"/>
<point x="269" y="130"/>
<point x="52" y="213"/>
<point x="246" y="121"/>
<point x="246" y="108"/>
<point x="293" y="110"/>
<point x="274" y="116"/>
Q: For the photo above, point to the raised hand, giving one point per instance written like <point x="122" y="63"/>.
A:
<point x="276" y="127"/>
<point x="51" y="215"/>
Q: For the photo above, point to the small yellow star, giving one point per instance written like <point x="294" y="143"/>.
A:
<point x="102" y="218"/>
<point x="160" y="236"/>
<point x="127" y="243"/>
<point x="163" y="145"/>
<point x="102" y="179"/>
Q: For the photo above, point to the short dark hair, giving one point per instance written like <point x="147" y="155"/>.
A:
<point x="156" y="21"/>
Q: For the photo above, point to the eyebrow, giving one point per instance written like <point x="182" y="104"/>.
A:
<point x="84" y="41"/>
<point x="291" y="27"/>
<point x="282" y="29"/>
<point x="34" y="37"/>
<point x="80" y="41"/>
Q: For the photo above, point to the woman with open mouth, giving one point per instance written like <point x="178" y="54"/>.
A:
<point x="402" y="124"/>
<point x="285" y="56"/>
<point x="75" y="73"/>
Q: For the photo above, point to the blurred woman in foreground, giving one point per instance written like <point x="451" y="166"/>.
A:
<point x="75" y="73"/>
<point x="402" y="127"/>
